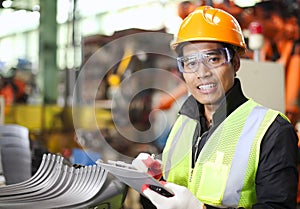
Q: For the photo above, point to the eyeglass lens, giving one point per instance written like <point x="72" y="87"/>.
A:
<point x="210" y="59"/>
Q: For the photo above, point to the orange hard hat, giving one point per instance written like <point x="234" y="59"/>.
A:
<point x="210" y="24"/>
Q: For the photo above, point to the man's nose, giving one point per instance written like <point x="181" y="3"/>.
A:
<point x="202" y="71"/>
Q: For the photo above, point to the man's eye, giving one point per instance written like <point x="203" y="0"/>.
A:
<point x="191" y="64"/>
<point x="214" y="59"/>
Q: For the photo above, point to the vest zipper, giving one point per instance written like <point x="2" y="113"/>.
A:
<point x="196" y="145"/>
<point x="191" y="174"/>
<point x="197" y="148"/>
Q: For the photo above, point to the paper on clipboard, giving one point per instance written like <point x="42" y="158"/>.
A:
<point x="127" y="174"/>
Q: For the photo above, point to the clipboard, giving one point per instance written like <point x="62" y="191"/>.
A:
<point x="132" y="177"/>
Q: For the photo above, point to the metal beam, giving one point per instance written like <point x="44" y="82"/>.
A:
<point x="48" y="71"/>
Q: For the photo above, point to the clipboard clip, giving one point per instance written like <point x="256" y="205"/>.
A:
<point x="121" y="164"/>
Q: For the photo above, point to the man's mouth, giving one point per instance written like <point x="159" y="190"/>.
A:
<point x="207" y="86"/>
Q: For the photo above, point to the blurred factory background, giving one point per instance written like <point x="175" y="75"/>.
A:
<point x="46" y="47"/>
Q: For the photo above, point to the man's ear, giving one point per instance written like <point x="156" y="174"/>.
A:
<point x="236" y="63"/>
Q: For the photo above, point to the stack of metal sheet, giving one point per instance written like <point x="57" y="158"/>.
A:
<point x="57" y="184"/>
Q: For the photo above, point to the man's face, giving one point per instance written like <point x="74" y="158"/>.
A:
<point x="209" y="85"/>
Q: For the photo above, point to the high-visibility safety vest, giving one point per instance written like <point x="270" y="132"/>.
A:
<point x="225" y="170"/>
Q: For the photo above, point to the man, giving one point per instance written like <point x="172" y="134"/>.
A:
<point x="224" y="150"/>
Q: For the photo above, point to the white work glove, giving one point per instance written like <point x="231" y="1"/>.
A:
<point x="148" y="164"/>
<point x="182" y="199"/>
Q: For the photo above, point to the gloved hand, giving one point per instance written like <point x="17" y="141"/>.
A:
<point x="182" y="198"/>
<point x="148" y="164"/>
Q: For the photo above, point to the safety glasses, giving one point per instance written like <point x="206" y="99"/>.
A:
<point x="209" y="58"/>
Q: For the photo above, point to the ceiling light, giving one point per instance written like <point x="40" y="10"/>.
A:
<point x="6" y="4"/>
<point x="246" y="3"/>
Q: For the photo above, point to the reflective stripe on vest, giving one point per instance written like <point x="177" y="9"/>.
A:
<point x="168" y="162"/>
<point x="239" y="163"/>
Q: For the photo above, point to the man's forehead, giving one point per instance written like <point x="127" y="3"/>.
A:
<point x="194" y="47"/>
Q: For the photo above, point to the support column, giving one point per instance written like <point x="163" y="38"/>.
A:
<point x="48" y="71"/>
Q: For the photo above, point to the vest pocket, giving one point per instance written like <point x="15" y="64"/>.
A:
<point x="213" y="182"/>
